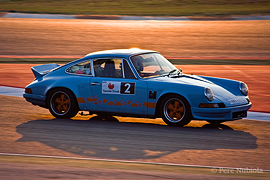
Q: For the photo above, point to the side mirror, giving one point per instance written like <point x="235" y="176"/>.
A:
<point x="180" y="71"/>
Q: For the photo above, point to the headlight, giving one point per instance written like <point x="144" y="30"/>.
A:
<point x="208" y="94"/>
<point x="243" y="88"/>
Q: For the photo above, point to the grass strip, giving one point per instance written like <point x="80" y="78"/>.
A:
<point x="139" y="7"/>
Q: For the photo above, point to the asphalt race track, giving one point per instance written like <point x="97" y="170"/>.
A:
<point x="27" y="129"/>
<point x="31" y="130"/>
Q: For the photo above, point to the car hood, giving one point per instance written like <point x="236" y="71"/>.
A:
<point x="225" y="94"/>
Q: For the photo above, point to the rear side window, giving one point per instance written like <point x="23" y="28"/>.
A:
<point x="83" y="68"/>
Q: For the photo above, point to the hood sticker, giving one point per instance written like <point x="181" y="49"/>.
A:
<point x="237" y="100"/>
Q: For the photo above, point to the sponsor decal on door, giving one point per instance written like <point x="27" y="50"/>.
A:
<point x="113" y="87"/>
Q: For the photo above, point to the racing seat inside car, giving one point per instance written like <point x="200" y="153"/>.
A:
<point x="109" y="69"/>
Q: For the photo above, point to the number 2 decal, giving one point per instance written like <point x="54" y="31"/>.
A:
<point x="127" y="88"/>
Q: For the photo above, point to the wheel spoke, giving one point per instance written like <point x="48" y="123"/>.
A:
<point x="181" y="109"/>
<point x="171" y="106"/>
<point x="178" y="115"/>
<point x="63" y="97"/>
<point x="58" y="100"/>
<point x="59" y="107"/>
<point x="171" y="114"/>
<point x="176" y="104"/>
<point x="65" y="107"/>
<point x="66" y="101"/>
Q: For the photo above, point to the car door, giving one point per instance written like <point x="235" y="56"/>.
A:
<point x="115" y="88"/>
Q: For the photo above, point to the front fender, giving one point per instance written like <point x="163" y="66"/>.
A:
<point x="228" y="84"/>
<point x="192" y="93"/>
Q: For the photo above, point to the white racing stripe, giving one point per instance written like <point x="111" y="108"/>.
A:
<point x="38" y="16"/>
<point x="258" y="116"/>
<point x="11" y="91"/>
<point x="121" y="161"/>
<point x="18" y="92"/>
<point x="134" y="18"/>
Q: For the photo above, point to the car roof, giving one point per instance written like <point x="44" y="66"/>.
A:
<point x="118" y="53"/>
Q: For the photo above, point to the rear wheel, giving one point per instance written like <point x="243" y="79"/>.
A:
<point x="62" y="104"/>
<point x="175" y="110"/>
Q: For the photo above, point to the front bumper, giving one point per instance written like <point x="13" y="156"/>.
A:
<point x="220" y="114"/>
<point x="35" y="99"/>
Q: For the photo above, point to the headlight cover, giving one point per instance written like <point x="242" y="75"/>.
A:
<point x="208" y="94"/>
<point x="243" y="88"/>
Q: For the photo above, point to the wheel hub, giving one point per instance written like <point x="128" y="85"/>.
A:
<point x="61" y="103"/>
<point x="175" y="110"/>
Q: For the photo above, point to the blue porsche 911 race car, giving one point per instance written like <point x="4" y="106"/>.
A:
<point x="137" y="83"/>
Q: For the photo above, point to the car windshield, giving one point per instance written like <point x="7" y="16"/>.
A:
<point x="152" y="64"/>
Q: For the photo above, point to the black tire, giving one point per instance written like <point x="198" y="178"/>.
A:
<point x="175" y="110"/>
<point x="62" y="104"/>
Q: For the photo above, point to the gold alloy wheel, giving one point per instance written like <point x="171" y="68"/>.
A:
<point x="60" y="102"/>
<point x="174" y="110"/>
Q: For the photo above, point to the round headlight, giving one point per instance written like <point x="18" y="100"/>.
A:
<point x="243" y="88"/>
<point x="208" y="94"/>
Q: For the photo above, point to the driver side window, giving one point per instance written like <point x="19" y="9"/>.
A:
<point x="108" y="68"/>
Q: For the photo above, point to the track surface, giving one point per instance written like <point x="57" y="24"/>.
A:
<point x="31" y="130"/>
<point x="171" y="38"/>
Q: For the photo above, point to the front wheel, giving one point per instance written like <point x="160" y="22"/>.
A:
<point x="175" y="110"/>
<point x="62" y="104"/>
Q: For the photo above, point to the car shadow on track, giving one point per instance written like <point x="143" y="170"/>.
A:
<point x="109" y="138"/>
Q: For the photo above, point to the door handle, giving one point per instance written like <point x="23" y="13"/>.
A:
<point x="95" y="84"/>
